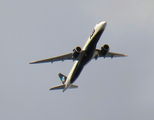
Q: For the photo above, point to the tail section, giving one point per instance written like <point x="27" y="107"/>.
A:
<point x="63" y="86"/>
<point x="62" y="78"/>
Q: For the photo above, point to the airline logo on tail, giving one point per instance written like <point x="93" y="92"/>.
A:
<point x="62" y="77"/>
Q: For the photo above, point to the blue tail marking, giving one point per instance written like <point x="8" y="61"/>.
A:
<point x="62" y="78"/>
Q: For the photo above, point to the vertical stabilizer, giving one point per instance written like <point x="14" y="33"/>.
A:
<point x="62" y="77"/>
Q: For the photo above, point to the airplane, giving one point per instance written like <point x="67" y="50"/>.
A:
<point x="82" y="57"/>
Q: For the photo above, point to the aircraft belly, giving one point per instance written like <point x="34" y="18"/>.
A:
<point x="76" y="73"/>
<point x="87" y="57"/>
<point x="80" y="65"/>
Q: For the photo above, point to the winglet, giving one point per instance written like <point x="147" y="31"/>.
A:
<point x="32" y="62"/>
<point x="125" y="55"/>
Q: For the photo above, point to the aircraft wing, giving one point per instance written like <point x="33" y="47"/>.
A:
<point x="59" y="58"/>
<point x="112" y="54"/>
<point x="97" y="54"/>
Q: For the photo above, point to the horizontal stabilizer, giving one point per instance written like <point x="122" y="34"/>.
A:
<point x="62" y="87"/>
<point x="73" y="86"/>
<point x="58" y="87"/>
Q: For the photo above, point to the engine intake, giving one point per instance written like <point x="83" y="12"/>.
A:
<point x="76" y="52"/>
<point x="105" y="49"/>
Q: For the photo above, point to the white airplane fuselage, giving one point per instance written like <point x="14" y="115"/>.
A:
<point x="89" y="49"/>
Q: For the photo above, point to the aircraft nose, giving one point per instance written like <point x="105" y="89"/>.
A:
<point x="104" y="23"/>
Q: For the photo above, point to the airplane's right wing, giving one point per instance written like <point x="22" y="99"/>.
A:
<point x="59" y="58"/>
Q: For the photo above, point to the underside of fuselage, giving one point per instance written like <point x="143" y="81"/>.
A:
<point x="89" y="51"/>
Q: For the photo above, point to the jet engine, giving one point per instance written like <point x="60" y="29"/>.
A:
<point x="105" y="49"/>
<point x="76" y="52"/>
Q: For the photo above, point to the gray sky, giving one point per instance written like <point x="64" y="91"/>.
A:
<point x="120" y="88"/>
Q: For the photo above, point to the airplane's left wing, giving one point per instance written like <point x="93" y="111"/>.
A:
<point x="97" y="54"/>
<point x="59" y="58"/>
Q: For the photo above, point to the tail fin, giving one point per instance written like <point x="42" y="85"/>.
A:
<point x="62" y="78"/>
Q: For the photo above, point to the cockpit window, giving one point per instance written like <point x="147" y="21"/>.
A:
<point x="92" y="33"/>
<point x="98" y="22"/>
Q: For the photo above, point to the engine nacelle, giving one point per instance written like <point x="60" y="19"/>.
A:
<point x="76" y="52"/>
<point x="105" y="49"/>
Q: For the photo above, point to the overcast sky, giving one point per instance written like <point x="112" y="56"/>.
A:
<point x="109" y="89"/>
